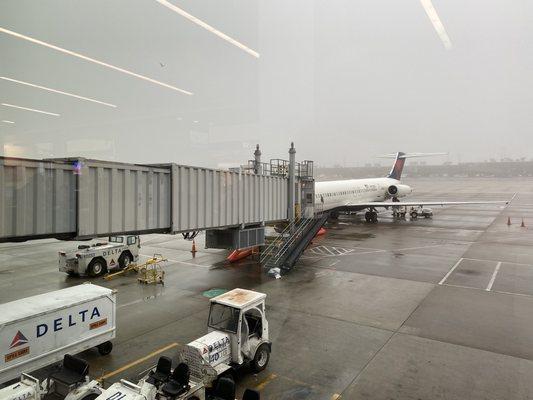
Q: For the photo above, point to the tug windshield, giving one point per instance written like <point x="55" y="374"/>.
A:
<point x="223" y="318"/>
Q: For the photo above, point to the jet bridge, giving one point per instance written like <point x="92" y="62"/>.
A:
<point x="78" y="198"/>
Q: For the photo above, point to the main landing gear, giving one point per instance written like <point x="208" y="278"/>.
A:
<point x="371" y="216"/>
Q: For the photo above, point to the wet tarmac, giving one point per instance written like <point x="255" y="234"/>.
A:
<point x="426" y="309"/>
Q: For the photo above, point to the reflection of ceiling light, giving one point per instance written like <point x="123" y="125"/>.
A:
<point x="103" y="64"/>
<point x="195" y="121"/>
<point x="7" y="122"/>
<point x="437" y="23"/>
<point x="208" y="27"/>
<point x="30" y="109"/>
<point x="58" y="91"/>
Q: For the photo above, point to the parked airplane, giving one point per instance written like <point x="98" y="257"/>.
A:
<point x="361" y="194"/>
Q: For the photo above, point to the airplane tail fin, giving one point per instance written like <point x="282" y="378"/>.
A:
<point x="399" y="162"/>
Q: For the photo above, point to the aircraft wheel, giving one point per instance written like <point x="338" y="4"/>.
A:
<point x="367" y="216"/>
<point x="374" y="217"/>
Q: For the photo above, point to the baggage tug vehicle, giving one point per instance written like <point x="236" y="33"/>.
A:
<point x="237" y="335"/>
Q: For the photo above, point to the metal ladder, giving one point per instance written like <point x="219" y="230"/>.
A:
<point x="284" y="250"/>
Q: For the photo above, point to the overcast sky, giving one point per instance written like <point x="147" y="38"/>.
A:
<point x="345" y="80"/>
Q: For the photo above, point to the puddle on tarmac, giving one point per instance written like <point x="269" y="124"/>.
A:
<point x="468" y="272"/>
<point x="352" y="236"/>
<point x="214" y="292"/>
<point x="151" y="293"/>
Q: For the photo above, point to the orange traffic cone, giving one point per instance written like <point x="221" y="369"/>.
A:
<point x="522" y="225"/>
<point x="193" y="250"/>
<point x="508" y="220"/>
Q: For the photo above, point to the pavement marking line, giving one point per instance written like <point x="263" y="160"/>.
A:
<point x="371" y="252"/>
<point x="333" y="263"/>
<point x="130" y="303"/>
<point x="138" y="361"/>
<point x="328" y="250"/>
<point x="493" y="277"/>
<point x="450" y="271"/>
<point x="493" y="291"/>
<point x="424" y="247"/>
<point x="261" y="385"/>
<point x="316" y="250"/>
<point x="335" y="396"/>
<point x="507" y="262"/>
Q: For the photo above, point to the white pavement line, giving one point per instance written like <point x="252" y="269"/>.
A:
<point x="333" y="263"/>
<point x="507" y="262"/>
<point x="329" y="251"/>
<point x="316" y="250"/>
<point x="493" y="277"/>
<point x="450" y="271"/>
<point x="422" y="247"/>
<point x="130" y="303"/>
<point x="371" y="252"/>
<point x="181" y="262"/>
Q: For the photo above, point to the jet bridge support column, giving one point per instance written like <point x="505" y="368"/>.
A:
<point x="257" y="160"/>
<point x="291" y="191"/>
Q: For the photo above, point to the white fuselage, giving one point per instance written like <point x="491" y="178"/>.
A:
<point x="351" y="192"/>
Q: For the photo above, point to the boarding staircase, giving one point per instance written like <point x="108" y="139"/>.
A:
<point x="285" y="250"/>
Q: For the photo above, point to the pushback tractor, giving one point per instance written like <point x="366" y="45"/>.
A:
<point x="94" y="260"/>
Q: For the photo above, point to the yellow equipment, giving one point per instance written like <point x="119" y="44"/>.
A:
<point x="148" y="272"/>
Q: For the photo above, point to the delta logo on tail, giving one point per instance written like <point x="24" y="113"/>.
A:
<point x="397" y="168"/>
<point x="18" y="340"/>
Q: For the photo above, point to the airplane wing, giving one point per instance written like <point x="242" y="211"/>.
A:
<point x="422" y="203"/>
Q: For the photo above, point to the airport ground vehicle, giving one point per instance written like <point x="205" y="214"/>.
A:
<point x="238" y="335"/>
<point x="421" y="212"/>
<point x="96" y="259"/>
<point x="399" y="212"/>
<point x="162" y="384"/>
<point x="39" y="330"/>
<point x="70" y="382"/>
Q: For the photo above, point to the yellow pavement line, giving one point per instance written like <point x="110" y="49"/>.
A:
<point x="336" y="396"/>
<point x="138" y="361"/>
<point x="265" y="382"/>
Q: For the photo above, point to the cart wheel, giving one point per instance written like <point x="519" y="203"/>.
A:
<point x="105" y="348"/>
<point x="261" y="358"/>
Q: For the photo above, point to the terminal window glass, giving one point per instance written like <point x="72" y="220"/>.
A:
<point x="223" y="318"/>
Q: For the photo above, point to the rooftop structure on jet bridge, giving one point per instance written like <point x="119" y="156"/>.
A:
<point x="77" y="198"/>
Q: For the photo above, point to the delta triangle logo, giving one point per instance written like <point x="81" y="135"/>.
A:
<point x="18" y="340"/>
